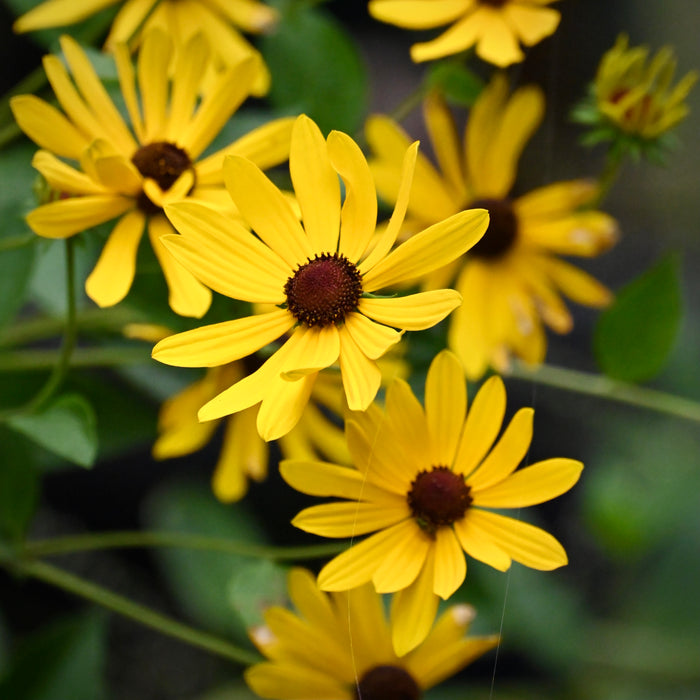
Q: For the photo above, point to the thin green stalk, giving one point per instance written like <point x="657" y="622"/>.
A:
<point x="611" y="171"/>
<point x="610" y="389"/>
<point x="127" y="608"/>
<point x="180" y="540"/>
<point x="32" y="360"/>
<point x="15" y="242"/>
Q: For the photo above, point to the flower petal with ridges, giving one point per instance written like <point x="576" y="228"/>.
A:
<point x="282" y="405"/>
<point x="414" y="312"/>
<point x="373" y="339"/>
<point x="152" y="76"/>
<point x="450" y="564"/>
<point x="58" y="13"/>
<point x="403" y="562"/>
<point x="349" y="519"/>
<point x="62" y="177"/>
<point x="361" y="376"/>
<point x="479" y="545"/>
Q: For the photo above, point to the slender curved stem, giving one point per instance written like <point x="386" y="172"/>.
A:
<point x="135" y="539"/>
<point x="610" y="389"/>
<point x="23" y="360"/>
<point x="607" y="178"/>
<point x="128" y="608"/>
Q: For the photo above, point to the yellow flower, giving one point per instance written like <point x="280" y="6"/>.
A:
<point x="513" y="279"/>
<point x="130" y="176"/>
<point x="633" y="91"/>
<point x="496" y="27"/>
<point x="243" y="453"/>
<point x="338" y="647"/>
<point x="317" y="273"/>
<point x="424" y="482"/>
<point x="221" y="22"/>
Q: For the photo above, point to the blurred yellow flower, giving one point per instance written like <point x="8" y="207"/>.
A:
<point x="221" y="21"/>
<point x="339" y="647"/>
<point x="131" y="173"/>
<point x="512" y="280"/>
<point x="319" y="274"/>
<point x="634" y="91"/>
<point x="495" y="27"/>
<point x="425" y="482"/>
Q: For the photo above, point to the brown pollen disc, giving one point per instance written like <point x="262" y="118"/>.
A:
<point x="502" y="230"/>
<point x="323" y="290"/>
<point x="163" y="162"/>
<point x="437" y="498"/>
<point x="387" y="683"/>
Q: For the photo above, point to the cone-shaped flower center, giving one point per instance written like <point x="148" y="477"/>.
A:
<point x="163" y="162"/>
<point x="387" y="683"/>
<point x="437" y="498"/>
<point x="502" y="230"/>
<point x="323" y="290"/>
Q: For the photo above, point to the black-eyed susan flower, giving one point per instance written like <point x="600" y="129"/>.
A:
<point x="129" y="173"/>
<point x="633" y="99"/>
<point x="513" y="280"/>
<point x="322" y="274"/>
<point x="220" y="21"/>
<point x="495" y="27"/>
<point x="338" y="647"/>
<point x="425" y="481"/>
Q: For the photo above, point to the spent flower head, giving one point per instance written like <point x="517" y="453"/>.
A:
<point x="338" y="646"/>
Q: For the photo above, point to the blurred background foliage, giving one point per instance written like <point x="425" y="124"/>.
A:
<point x="621" y="622"/>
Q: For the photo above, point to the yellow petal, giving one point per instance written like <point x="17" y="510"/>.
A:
<point x="152" y="74"/>
<point x="58" y="13"/>
<point x="406" y="418"/>
<point x="532" y="24"/>
<point x="361" y="376"/>
<point x="111" y="279"/>
<point x="127" y="84"/>
<point x="187" y="295"/>
<point x="62" y="177"/>
<point x="576" y="284"/>
<point x="478" y="544"/>
<point x="348" y="519"/>
<point x="314" y="605"/>
<point x="282" y="405"/>
<point x="456" y="39"/>
<point x="428" y="250"/>
<point x="266" y="210"/>
<point x="534" y="484"/>
<point x="413" y="611"/>
<point x="220" y="343"/>
<point x="225" y="256"/>
<point x="482" y="426"/>
<point x="404" y="561"/>
<point x="506" y="455"/>
<point x="523" y="542"/>
<point x="274" y="680"/>
<point x="497" y="43"/>
<point x="373" y="339"/>
<point x="117" y="173"/>
<point x="445" y="407"/>
<point x="415" y="14"/>
<point x="450" y="564"/>
<point x="359" y="214"/>
<point x="76" y="214"/>
<point x="129" y="18"/>
<point x="315" y="184"/>
<point x="414" y="312"/>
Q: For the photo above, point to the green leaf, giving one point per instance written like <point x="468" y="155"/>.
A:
<point x="634" y="337"/>
<point x="200" y="580"/>
<point x="19" y="491"/>
<point x="456" y="82"/>
<point x="316" y="68"/>
<point x="256" y="586"/>
<point x="64" y="660"/>
<point x="66" y="427"/>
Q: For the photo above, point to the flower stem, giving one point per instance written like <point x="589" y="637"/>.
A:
<point x="607" y="178"/>
<point x="135" y="539"/>
<point x="24" y="360"/>
<point x="611" y="389"/>
<point x="123" y="606"/>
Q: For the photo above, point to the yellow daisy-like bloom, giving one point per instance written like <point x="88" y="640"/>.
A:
<point x="633" y="91"/>
<point x="338" y="647"/>
<point x="244" y="454"/>
<point x="424" y="482"/>
<point x="131" y="176"/>
<point x="221" y="21"/>
<point x="495" y="27"/>
<point x="513" y="279"/>
<point x="318" y="273"/>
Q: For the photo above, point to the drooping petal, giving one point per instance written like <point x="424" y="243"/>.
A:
<point x="459" y="37"/>
<point x="478" y="544"/>
<point x="316" y="185"/>
<point x="283" y="404"/>
<point x="535" y="484"/>
<point x="152" y="75"/>
<point x="112" y="276"/>
<point x="414" y="14"/>
<point x="404" y="561"/>
<point x="482" y="426"/>
<point x="220" y="343"/>
<point x="291" y="681"/>
<point x="414" y="312"/>
<point x="445" y="407"/>
<point x="496" y="44"/>
<point x="531" y="24"/>
<point x="406" y="418"/>
<point x="373" y="339"/>
<point x="58" y="13"/>
<point x="62" y="177"/>
<point x="450" y="564"/>
<point x="361" y="376"/>
<point x="428" y="250"/>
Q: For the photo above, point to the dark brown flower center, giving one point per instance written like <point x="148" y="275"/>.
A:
<point x="387" y="683"/>
<point x="323" y="290"/>
<point x="437" y="498"/>
<point x="502" y="230"/>
<point x="163" y="162"/>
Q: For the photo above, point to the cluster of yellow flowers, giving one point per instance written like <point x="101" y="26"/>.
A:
<point x="329" y="301"/>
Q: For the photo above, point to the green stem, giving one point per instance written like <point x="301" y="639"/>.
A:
<point x="611" y="171"/>
<point x="135" y="539"/>
<point x="69" y="337"/>
<point x="610" y="389"/>
<point x="134" y="611"/>
<point x="15" y="242"/>
<point x="30" y="360"/>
